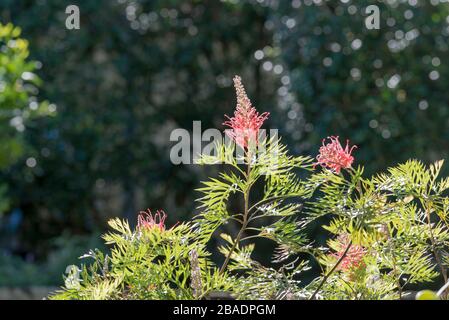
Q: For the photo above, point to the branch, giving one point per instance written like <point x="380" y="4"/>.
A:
<point x="434" y="248"/>
<point x="331" y="271"/>
<point x="244" y="222"/>
<point x="443" y="289"/>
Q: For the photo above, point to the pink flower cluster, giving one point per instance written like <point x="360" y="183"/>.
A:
<point x="333" y="156"/>
<point x="146" y="220"/>
<point x="354" y="257"/>
<point x="246" y="121"/>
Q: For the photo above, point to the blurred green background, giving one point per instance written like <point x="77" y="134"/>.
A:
<point x="86" y="115"/>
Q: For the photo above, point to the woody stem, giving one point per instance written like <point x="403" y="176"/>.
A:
<point x="434" y="248"/>
<point x="245" y="218"/>
<point x="331" y="271"/>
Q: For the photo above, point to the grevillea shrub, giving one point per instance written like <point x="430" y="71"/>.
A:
<point x="387" y="233"/>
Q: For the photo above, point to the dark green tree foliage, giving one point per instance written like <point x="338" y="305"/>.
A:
<point x="18" y="102"/>
<point x="137" y="69"/>
<point x="132" y="73"/>
<point x="385" y="89"/>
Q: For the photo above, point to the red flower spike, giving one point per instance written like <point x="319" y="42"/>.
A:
<point x="333" y="156"/>
<point x="246" y="122"/>
<point x="146" y="220"/>
<point x="354" y="257"/>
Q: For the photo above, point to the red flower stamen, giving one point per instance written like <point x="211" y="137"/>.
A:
<point x="354" y="257"/>
<point x="146" y="220"/>
<point x="333" y="156"/>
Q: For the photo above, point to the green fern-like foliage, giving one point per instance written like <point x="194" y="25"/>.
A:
<point x="271" y="215"/>
<point x="146" y="263"/>
<point x="397" y="218"/>
<point x="386" y="232"/>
